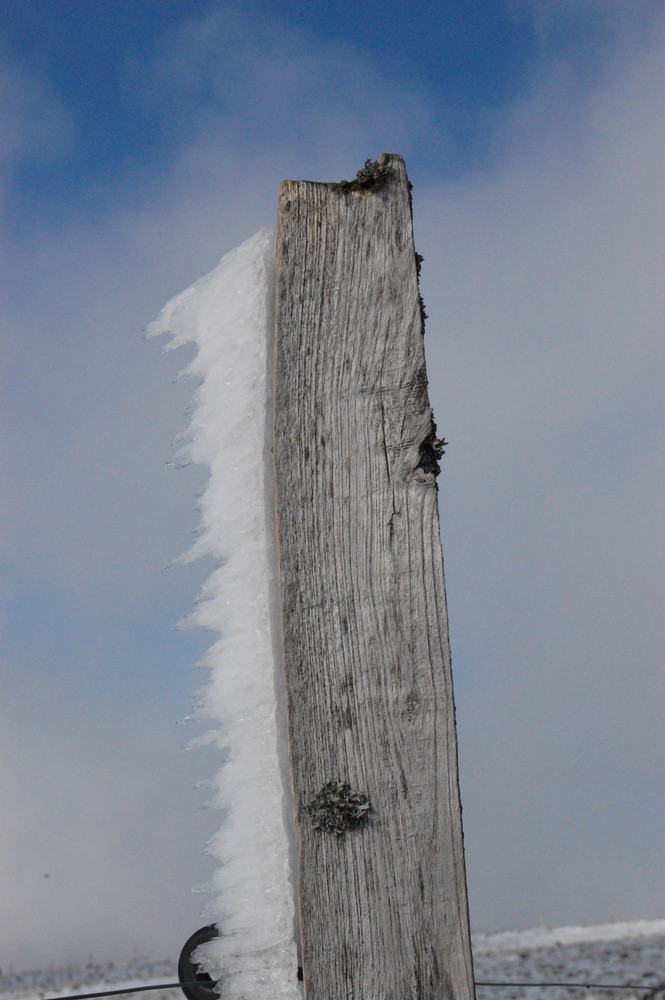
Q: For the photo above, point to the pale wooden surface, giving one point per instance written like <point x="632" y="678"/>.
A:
<point x="367" y="661"/>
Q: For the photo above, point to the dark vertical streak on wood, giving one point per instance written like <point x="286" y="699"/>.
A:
<point x="367" y="661"/>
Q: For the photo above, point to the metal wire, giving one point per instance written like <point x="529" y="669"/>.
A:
<point x="117" y="993"/>
<point x="497" y="985"/>
<point x="581" y="986"/>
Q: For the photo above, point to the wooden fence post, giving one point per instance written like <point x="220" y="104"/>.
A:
<point x="372" y="741"/>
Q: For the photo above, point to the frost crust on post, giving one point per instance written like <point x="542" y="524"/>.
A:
<point x="229" y="316"/>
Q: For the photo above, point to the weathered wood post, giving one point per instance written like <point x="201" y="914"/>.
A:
<point x="383" y="907"/>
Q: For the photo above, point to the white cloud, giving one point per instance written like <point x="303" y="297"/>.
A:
<point x="36" y="124"/>
<point x="271" y="84"/>
<point x="101" y="841"/>
<point x="543" y="275"/>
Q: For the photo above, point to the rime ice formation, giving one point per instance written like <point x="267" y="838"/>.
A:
<point x="228" y="315"/>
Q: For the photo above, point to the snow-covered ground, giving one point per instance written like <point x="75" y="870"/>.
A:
<point x="92" y="978"/>
<point x="620" y="953"/>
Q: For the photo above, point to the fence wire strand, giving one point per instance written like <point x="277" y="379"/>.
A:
<point x="631" y="987"/>
<point x="579" y="986"/>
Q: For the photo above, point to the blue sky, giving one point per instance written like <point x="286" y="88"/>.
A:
<point x="143" y="140"/>
<point x="126" y="92"/>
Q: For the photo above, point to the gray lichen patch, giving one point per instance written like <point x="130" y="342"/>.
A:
<point x="337" y="808"/>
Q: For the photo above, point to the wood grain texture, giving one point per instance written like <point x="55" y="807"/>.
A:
<point x="367" y="663"/>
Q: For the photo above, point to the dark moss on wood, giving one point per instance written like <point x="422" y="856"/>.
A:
<point x="371" y="177"/>
<point x="431" y="450"/>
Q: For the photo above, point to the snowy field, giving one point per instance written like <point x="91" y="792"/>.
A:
<point x="91" y="978"/>
<point x="621" y="953"/>
<point x="626" y="953"/>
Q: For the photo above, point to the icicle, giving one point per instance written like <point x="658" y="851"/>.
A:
<point x="229" y="316"/>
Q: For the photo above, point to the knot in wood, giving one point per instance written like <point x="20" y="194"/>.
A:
<point x="337" y="808"/>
